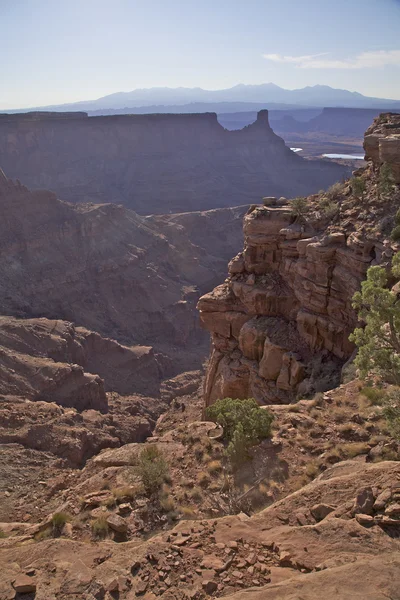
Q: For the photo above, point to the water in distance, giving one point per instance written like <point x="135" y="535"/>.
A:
<point x="344" y="156"/>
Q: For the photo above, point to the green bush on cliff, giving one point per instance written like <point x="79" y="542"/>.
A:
<point x="299" y="206"/>
<point x="379" y="341"/>
<point x="245" y="424"/>
<point x="385" y="180"/>
<point x="358" y="186"/>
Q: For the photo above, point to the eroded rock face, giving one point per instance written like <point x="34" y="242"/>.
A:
<point x="103" y="267"/>
<point x="155" y="163"/>
<point x="54" y="360"/>
<point x="382" y="143"/>
<point x="287" y="301"/>
<point x="283" y="317"/>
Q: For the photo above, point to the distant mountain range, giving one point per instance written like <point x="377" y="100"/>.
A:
<point x="241" y="97"/>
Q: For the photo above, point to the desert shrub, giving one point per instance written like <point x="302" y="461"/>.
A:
<point x="203" y="479"/>
<point x="245" y="424"/>
<point x="214" y="467"/>
<point x="58" y="521"/>
<point x="122" y="494"/>
<point x="334" y="191"/>
<point x="167" y="503"/>
<point x="229" y="413"/>
<point x="2" y="534"/>
<point x="100" y="527"/>
<point x="395" y="235"/>
<point x="152" y="468"/>
<point x="358" y="186"/>
<point x="391" y="412"/>
<point x="328" y="208"/>
<point x="187" y="512"/>
<point x="299" y="206"/>
<point x="196" y="494"/>
<point x="375" y="395"/>
<point x="385" y="180"/>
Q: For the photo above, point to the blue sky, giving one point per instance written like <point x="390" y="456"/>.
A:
<point x="56" y="51"/>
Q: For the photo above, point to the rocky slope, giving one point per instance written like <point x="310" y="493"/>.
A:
<point x="103" y="267"/>
<point x="155" y="163"/>
<point x="282" y="320"/>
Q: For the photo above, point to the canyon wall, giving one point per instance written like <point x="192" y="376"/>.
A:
<point x="105" y="268"/>
<point x="281" y="321"/>
<point x="155" y="163"/>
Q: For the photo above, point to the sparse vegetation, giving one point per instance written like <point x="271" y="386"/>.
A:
<point x="58" y="521"/>
<point x="299" y="206"/>
<point x="379" y="341"/>
<point x="358" y="186"/>
<point x="245" y="425"/>
<point x="153" y="469"/>
<point x="100" y="527"/>
<point x="385" y="180"/>
<point x="334" y="191"/>
<point x="2" y="534"/>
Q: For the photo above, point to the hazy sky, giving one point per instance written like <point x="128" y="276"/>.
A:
<point x="55" y="51"/>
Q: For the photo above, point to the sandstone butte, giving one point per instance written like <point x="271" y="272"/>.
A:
<point x="192" y="162"/>
<point x="72" y="413"/>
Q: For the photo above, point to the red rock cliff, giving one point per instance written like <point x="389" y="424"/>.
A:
<point x="282" y="319"/>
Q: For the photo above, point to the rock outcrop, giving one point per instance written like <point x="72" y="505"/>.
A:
<point x="53" y="360"/>
<point x="155" y="163"/>
<point x="284" y="315"/>
<point x="382" y="143"/>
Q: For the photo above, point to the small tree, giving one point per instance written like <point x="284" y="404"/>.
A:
<point x="379" y="341"/>
<point x="245" y="424"/>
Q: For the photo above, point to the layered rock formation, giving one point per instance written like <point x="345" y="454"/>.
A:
<point x="155" y="163"/>
<point x="284" y="316"/>
<point x="45" y="359"/>
<point x="382" y="143"/>
<point x="103" y="267"/>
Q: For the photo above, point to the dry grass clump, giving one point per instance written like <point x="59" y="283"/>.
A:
<point x="203" y="479"/>
<point x="123" y="494"/>
<point x="214" y="467"/>
<point x="196" y="494"/>
<point x="100" y="527"/>
<point x="187" y="512"/>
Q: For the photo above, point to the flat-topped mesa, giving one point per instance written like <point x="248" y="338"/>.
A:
<point x="155" y="163"/>
<point x="284" y="315"/>
<point x="382" y="143"/>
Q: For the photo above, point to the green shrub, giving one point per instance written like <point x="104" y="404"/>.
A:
<point x="385" y="180"/>
<point x="153" y="469"/>
<point x="358" y="186"/>
<point x="391" y="412"/>
<point x="2" y="534"/>
<point x="395" y="235"/>
<point x="58" y="521"/>
<point x="374" y="394"/>
<point x="379" y="341"/>
<point x="100" y="527"/>
<point x="334" y="191"/>
<point x="328" y="208"/>
<point x="245" y="424"/>
<point x="299" y="206"/>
